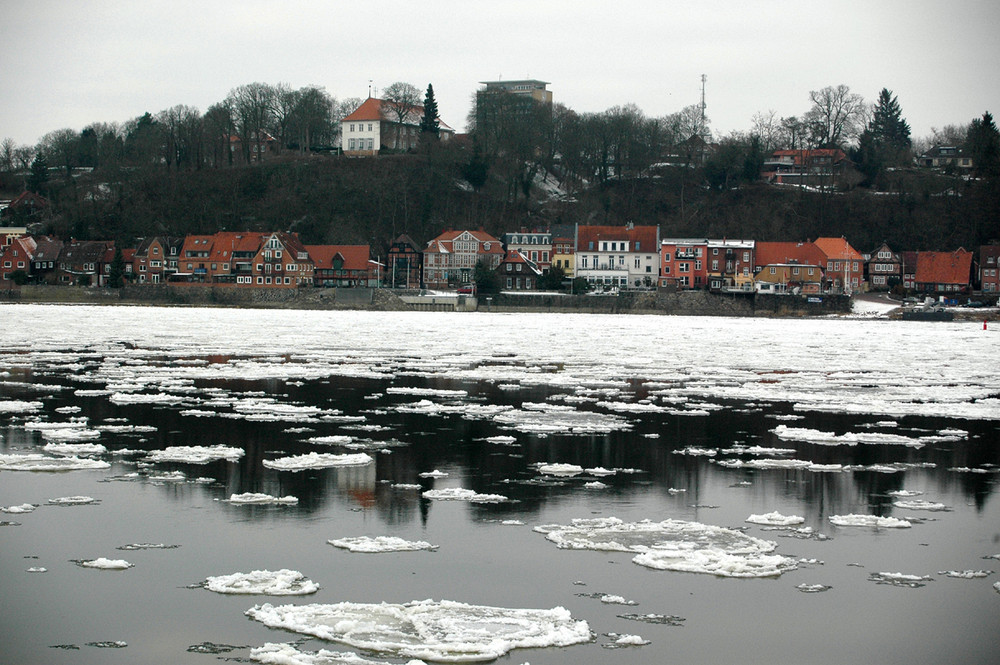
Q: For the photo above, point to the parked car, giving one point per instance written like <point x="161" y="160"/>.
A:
<point x="467" y="289"/>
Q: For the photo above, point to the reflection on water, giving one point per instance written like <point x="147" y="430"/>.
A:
<point x="658" y="452"/>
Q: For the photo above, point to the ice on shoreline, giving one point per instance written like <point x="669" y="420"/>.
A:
<point x="431" y="630"/>
<point x="282" y="582"/>
<point x="381" y="544"/>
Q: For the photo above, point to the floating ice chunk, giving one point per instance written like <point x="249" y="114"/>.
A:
<point x="105" y="564"/>
<point x="282" y="582"/>
<point x="261" y="499"/>
<point x="776" y="519"/>
<point x="533" y="418"/>
<point x="19" y="406"/>
<point x="127" y="429"/>
<point x="600" y="471"/>
<point x="813" y="588"/>
<point x="437" y="631"/>
<point x="904" y="493"/>
<point x="38" y="462"/>
<point x="996" y="587"/>
<point x="18" y="510"/>
<point x="630" y="640"/>
<point x="405" y="486"/>
<point x="900" y="579"/>
<point x="512" y="523"/>
<point x="503" y="440"/>
<point x="195" y="454"/>
<point x="695" y="451"/>
<point x="380" y="544"/>
<point x="848" y="439"/>
<point x="664" y="619"/>
<point x="317" y="461"/>
<point x="335" y="440"/>
<point x="267" y="409"/>
<point x="596" y="485"/>
<point x="869" y="521"/>
<point x="616" y="600"/>
<point x="918" y="504"/>
<point x="460" y="494"/>
<point x="674" y="545"/>
<point x="37" y="569"/>
<point x="72" y="500"/>
<point x="288" y="654"/>
<point x="147" y="546"/>
<point x="433" y="474"/>
<point x="144" y="398"/>
<point x="766" y="463"/>
<point x="426" y="392"/>
<point x="69" y="409"/>
<point x="965" y="574"/>
<point x="75" y="449"/>
<point x="560" y="469"/>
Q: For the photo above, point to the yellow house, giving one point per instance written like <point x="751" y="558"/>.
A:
<point x="789" y="278"/>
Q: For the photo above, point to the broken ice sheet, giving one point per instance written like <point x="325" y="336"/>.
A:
<point x="380" y="544"/>
<point x="72" y="501"/>
<point x="317" y="461"/>
<point x="431" y="630"/>
<point x="900" y="579"/>
<point x="38" y="462"/>
<point x="674" y="545"/>
<point x="257" y="498"/>
<point x="869" y="521"/>
<point x="282" y="582"/>
<point x="195" y="454"/>
<point x="775" y="519"/>
<point x="461" y="494"/>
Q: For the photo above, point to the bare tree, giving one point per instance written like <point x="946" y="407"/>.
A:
<point x="767" y="128"/>
<point x="218" y="129"/>
<point x="253" y="113"/>
<point x="836" y="117"/>
<point x="401" y="101"/>
<point x="7" y="148"/>
<point x="60" y="147"/>
<point x="311" y="121"/>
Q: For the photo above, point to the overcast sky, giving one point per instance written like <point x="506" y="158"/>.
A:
<point x="68" y="63"/>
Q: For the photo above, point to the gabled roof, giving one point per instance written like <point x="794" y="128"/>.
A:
<point x="84" y="251"/>
<point x="837" y="249"/>
<point x="406" y="241"/>
<point x="646" y="236"/>
<point x="514" y="256"/>
<point x="372" y="110"/>
<point x="444" y="242"/>
<point x="944" y="267"/>
<point x="355" y="257"/>
<point x="768" y="253"/>
<point x="47" y="249"/>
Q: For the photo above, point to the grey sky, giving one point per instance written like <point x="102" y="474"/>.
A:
<point x="69" y="63"/>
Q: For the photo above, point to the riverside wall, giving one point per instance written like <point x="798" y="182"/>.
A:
<point x="686" y="303"/>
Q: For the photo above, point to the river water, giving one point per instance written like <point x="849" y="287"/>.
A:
<point x="817" y="426"/>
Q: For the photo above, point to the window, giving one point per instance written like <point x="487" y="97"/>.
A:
<point x="697" y="265"/>
<point x="352" y="128"/>
<point x="369" y="126"/>
<point x="510" y="266"/>
<point x="773" y="270"/>
<point x="683" y="267"/>
<point x="715" y="251"/>
<point x="638" y="262"/>
<point x="666" y="257"/>
<point x="715" y="264"/>
<point x="746" y="256"/>
<point x="351" y="144"/>
<point x="591" y="247"/>
<point x="510" y="281"/>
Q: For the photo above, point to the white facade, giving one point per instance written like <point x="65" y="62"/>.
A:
<point x="361" y="135"/>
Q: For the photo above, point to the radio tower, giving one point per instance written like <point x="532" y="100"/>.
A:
<point x="703" y="132"/>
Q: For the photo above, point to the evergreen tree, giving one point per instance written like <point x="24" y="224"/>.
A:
<point x="983" y="142"/>
<point x="116" y="271"/>
<point x="885" y="140"/>
<point x="38" y="177"/>
<point x="429" y="124"/>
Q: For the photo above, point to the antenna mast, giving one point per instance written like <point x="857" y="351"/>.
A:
<point x="703" y="79"/>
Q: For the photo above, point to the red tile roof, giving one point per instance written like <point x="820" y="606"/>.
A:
<point x="355" y="257"/>
<point x="487" y="243"/>
<point x="373" y="109"/>
<point x="646" y="236"/>
<point x="768" y="253"/>
<point x="944" y="267"/>
<point x="837" y="249"/>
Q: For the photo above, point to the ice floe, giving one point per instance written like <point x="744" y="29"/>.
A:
<point x="461" y="494"/>
<point x="18" y="510"/>
<point x="380" y="544"/>
<point x="317" y="461"/>
<point x="917" y="504"/>
<point x="288" y="654"/>
<point x="869" y="521"/>
<point x="147" y="546"/>
<point x="433" y="474"/>
<point x="674" y="545"/>
<point x="431" y="630"/>
<point x="72" y="501"/>
<point x="282" y="582"/>
<point x="258" y="499"/>
<point x="900" y="579"/>
<point x="39" y="462"/>
<point x="103" y="563"/>
<point x="776" y="519"/>
<point x="19" y="406"/>
<point x="965" y="574"/>
<point x="75" y="449"/>
<point x="813" y="588"/>
<point x="556" y="469"/>
<point x="807" y="435"/>
<point x="195" y="454"/>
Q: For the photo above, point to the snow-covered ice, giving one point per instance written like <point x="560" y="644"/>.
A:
<point x="917" y="504"/>
<point x="674" y="545"/>
<point x="462" y="494"/>
<point x="431" y="630"/>
<point x="39" y="462"/>
<point x="282" y="582"/>
<point x="258" y="498"/>
<point x="72" y="500"/>
<point x="196" y="454"/>
<point x="869" y="521"/>
<point x="776" y="519"/>
<point x="380" y="544"/>
<point x="18" y="510"/>
<point x="317" y="461"/>
<point x="103" y="563"/>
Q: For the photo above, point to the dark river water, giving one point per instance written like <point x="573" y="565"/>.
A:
<point x="666" y="464"/>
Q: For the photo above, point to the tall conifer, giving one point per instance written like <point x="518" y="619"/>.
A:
<point x="429" y="123"/>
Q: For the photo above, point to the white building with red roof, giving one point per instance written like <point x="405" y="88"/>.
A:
<point x="376" y="125"/>
<point x="450" y="259"/>
<point x="620" y="257"/>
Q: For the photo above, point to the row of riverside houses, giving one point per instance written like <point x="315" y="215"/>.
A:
<point x="225" y="259"/>
<point x="636" y="257"/>
<point x="606" y="257"/>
